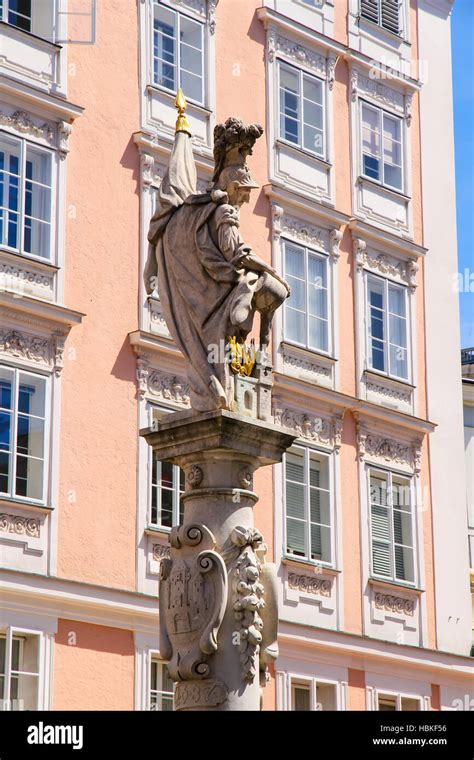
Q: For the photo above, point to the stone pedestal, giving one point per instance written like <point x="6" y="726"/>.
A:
<point x="218" y="600"/>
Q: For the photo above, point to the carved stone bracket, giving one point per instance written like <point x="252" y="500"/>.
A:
<point x="160" y="385"/>
<point x="64" y="132"/>
<point x="151" y="173"/>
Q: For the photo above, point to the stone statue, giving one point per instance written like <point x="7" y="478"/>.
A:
<point x="211" y="283"/>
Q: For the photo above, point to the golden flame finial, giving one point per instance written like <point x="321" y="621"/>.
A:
<point x="182" y="123"/>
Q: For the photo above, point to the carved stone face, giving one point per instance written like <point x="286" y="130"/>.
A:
<point x="238" y="194"/>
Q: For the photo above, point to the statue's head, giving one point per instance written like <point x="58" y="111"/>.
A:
<point x="237" y="183"/>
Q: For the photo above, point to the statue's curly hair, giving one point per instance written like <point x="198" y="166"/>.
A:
<point x="232" y="134"/>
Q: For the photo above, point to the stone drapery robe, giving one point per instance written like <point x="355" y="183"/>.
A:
<point x="195" y="251"/>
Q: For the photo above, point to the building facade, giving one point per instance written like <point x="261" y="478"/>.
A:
<point x="367" y="531"/>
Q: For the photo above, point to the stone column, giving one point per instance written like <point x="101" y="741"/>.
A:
<point x="217" y="597"/>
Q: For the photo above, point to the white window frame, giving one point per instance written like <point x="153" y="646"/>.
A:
<point x="24" y="144"/>
<point x="301" y="74"/>
<point x="308" y="251"/>
<point x="378" y="23"/>
<point x="312" y="684"/>
<point x="381" y="112"/>
<point x="11" y="496"/>
<point x="154" y="658"/>
<point x="178" y="15"/>
<point x="398" y="696"/>
<point x="368" y="276"/>
<point x="390" y="473"/>
<point x="307" y="451"/>
<point x="156" y="411"/>
<point x="14" y="632"/>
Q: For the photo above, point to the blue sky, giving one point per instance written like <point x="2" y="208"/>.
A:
<point x="463" y="89"/>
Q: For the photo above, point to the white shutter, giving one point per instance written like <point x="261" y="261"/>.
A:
<point x="369" y="9"/>
<point x="391" y="15"/>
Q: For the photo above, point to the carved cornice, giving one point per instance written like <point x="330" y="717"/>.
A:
<point x="23" y="123"/>
<point x="385" y="95"/>
<point x="309" y="584"/>
<point x="313" y="366"/>
<point x="20" y="526"/>
<point x="390" y="451"/>
<point x="34" y="348"/>
<point x="397" y="604"/>
<point x="276" y="43"/>
<point x="384" y="264"/>
<point x="310" y="427"/>
<point x="161" y="385"/>
<point x="304" y="232"/>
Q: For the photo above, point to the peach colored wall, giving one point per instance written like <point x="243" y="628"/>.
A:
<point x="435" y="696"/>
<point x="351" y="549"/>
<point x="97" y="672"/>
<point x="97" y="502"/>
<point x="356" y="697"/>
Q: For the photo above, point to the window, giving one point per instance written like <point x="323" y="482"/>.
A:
<point x="387" y="327"/>
<point x="161" y="687"/>
<point x="301" y="109"/>
<point x="178" y="60"/>
<point x="23" y="408"/>
<point x="306" y="311"/>
<point x="308" y="505"/>
<point x="25" y="197"/>
<point x="19" y="670"/>
<point x="167" y="485"/>
<point x="17" y="13"/>
<point x="385" y="13"/>
<point x="34" y="16"/>
<point x="391" y="520"/>
<point x="381" y="146"/>
<point x="313" y="695"/>
<point x="394" y="702"/>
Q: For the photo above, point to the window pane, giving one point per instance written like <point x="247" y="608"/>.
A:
<point x="38" y="167"/>
<point x="398" y="361"/>
<point x="401" y="494"/>
<point x="320" y="543"/>
<point x="402" y="531"/>
<point x="295" y="500"/>
<point x="297" y="299"/>
<point x="317" y="287"/>
<point x="313" y="139"/>
<point x="404" y="566"/>
<point x="410" y="703"/>
<point x="387" y="704"/>
<point x="295" y="467"/>
<point x="393" y="176"/>
<point x="381" y="558"/>
<point x="326" y="696"/>
<point x="6" y="385"/>
<point x="320" y="510"/>
<point x="29" y="477"/>
<point x="318" y="334"/>
<point x="191" y="86"/>
<point x="378" y="490"/>
<point x="167" y="475"/>
<point x="30" y="436"/>
<point x="164" y="48"/>
<point x="370" y="132"/>
<point x="190" y="33"/>
<point x="289" y="105"/>
<point x="32" y="395"/>
<point x="312" y="90"/>
<point x="166" y="508"/>
<point x="294" y="261"/>
<point x="19" y="14"/>
<point x="9" y="190"/>
<point x="295" y="325"/>
<point x="397" y="300"/>
<point x="295" y="537"/>
<point x="301" y="698"/>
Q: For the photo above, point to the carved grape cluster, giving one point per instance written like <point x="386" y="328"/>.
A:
<point x="248" y="599"/>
